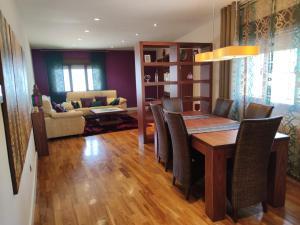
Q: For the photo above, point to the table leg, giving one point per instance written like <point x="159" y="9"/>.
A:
<point x="215" y="184"/>
<point x="277" y="174"/>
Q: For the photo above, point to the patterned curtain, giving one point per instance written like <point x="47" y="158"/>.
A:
<point x="55" y="64"/>
<point x="273" y="77"/>
<point x="98" y="70"/>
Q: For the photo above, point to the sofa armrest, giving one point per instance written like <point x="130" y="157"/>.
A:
<point x="69" y="114"/>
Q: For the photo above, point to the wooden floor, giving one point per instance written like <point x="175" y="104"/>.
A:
<point x="108" y="179"/>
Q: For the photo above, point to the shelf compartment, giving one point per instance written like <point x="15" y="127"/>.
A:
<point x="160" y="64"/>
<point x="195" y="81"/>
<point x="160" y="83"/>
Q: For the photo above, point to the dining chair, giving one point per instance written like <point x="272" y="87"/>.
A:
<point x="188" y="165"/>
<point x="172" y="104"/>
<point x="257" y="111"/>
<point x="164" y="151"/>
<point x="248" y="180"/>
<point x="222" y="107"/>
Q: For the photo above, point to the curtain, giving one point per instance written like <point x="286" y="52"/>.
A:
<point x="229" y="30"/>
<point x="98" y="70"/>
<point x="273" y="77"/>
<point x="55" y="63"/>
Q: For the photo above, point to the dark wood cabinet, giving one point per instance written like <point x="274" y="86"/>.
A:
<point x="39" y="131"/>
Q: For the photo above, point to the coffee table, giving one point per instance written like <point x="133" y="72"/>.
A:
<point x="107" y="116"/>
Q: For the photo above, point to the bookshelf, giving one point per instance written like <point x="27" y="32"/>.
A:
<point x="169" y="67"/>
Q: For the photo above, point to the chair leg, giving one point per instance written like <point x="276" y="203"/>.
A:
<point x="235" y="215"/>
<point x="166" y="165"/>
<point x="159" y="159"/>
<point x="187" y="193"/>
<point x="265" y="207"/>
<point x="174" y="180"/>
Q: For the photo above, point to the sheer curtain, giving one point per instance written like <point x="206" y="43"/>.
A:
<point x="55" y="66"/>
<point x="273" y="77"/>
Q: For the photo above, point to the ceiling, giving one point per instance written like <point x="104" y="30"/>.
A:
<point x="62" y="23"/>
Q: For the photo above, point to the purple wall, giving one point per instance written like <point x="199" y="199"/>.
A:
<point x="120" y="71"/>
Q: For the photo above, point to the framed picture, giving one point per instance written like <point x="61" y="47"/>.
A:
<point x="1" y="96"/>
<point x="16" y="104"/>
<point x="147" y="58"/>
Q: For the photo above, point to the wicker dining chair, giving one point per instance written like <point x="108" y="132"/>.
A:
<point x="172" y="104"/>
<point x="222" y="107"/>
<point x="188" y="165"/>
<point x="164" y="151"/>
<point x="247" y="182"/>
<point x="258" y="111"/>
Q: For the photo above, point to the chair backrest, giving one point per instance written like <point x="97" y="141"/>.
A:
<point x="258" y="111"/>
<point x="222" y="107"/>
<point x="181" y="148"/>
<point x="162" y="131"/>
<point x="250" y="170"/>
<point x="172" y="104"/>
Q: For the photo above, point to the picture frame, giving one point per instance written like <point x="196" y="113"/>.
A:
<point x="147" y="58"/>
<point x="1" y="95"/>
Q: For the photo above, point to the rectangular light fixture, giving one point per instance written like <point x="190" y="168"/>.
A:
<point x="228" y="53"/>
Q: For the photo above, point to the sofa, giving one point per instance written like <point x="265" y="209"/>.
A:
<point x="63" y="123"/>
<point x="76" y="96"/>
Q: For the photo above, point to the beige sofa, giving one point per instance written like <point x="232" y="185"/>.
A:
<point x="62" y="124"/>
<point x="76" y="96"/>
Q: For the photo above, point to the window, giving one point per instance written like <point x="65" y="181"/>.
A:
<point x="78" y="78"/>
<point x="282" y="78"/>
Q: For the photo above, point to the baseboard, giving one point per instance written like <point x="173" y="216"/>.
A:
<point x="132" y="109"/>
<point x="33" y="196"/>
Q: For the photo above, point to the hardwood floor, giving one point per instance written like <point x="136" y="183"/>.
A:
<point x="109" y="179"/>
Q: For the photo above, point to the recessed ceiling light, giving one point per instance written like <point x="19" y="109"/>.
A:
<point x="155" y="25"/>
<point x="87" y="31"/>
<point x="137" y="34"/>
<point x="79" y="39"/>
<point x="97" y="19"/>
<point x="123" y="41"/>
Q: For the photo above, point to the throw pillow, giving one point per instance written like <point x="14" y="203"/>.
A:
<point x="116" y="101"/>
<point x="96" y="104"/>
<point x="86" y="102"/>
<point x="75" y="105"/>
<point x="58" y="108"/>
<point x="67" y="105"/>
<point x="102" y="99"/>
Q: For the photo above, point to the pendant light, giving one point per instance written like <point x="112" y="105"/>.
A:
<point x="236" y="51"/>
<point x="229" y="52"/>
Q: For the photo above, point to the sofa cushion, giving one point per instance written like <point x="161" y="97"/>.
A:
<point x="67" y="105"/>
<point x="58" y="108"/>
<point x="75" y="104"/>
<point x="97" y="103"/>
<point x="86" y="102"/>
<point x="116" y="101"/>
<point x="102" y="100"/>
<point x="75" y="96"/>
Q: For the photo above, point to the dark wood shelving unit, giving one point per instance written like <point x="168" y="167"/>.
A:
<point x="171" y="63"/>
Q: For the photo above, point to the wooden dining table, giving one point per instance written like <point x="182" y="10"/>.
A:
<point x="218" y="147"/>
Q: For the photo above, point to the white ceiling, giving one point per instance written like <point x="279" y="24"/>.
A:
<point x="59" y="23"/>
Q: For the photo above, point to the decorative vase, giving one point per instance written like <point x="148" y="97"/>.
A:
<point x="147" y="77"/>
<point x="36" y="97"/>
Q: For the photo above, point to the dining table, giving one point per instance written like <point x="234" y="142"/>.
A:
<point x="215" y="138"/>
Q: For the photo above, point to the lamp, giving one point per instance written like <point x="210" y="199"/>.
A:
<point x="236" y="51"/>
<point x="229" y="52"/>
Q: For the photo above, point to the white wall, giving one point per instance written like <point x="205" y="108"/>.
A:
<point x="17" y="209"/>
<point x="204" y="33"/>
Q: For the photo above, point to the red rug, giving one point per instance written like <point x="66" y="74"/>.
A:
<point x="108" y="124"/>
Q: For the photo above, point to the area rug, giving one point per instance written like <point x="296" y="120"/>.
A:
<point x="102" y="125"/>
